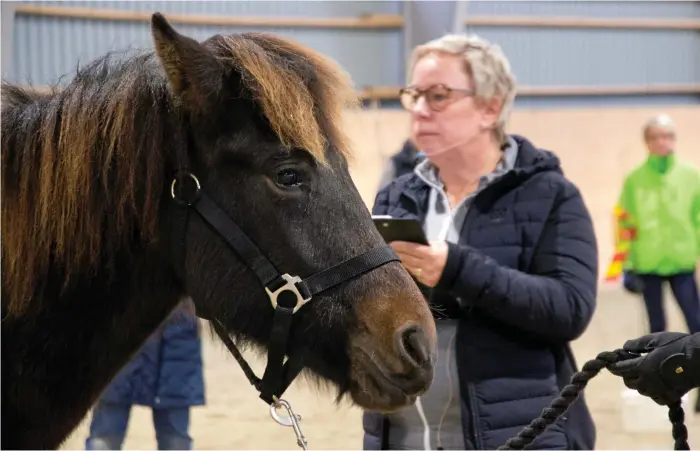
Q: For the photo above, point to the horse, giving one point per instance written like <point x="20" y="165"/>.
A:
<point x="214" y="170"/>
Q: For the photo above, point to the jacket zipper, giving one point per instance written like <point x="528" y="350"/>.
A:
<point x="471" y="392"/>
<point x="478" y="440"/>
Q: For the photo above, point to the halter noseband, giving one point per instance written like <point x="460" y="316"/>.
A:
<point x="287" y="293"/>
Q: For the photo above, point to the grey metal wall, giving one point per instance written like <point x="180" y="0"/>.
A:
<point x="550" y="56"/>
<point x="668" y="9"/>
<point x="49" y="47"/>
<point x="46" y="48"/>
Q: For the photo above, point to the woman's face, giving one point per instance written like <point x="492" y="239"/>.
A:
<point x="446" y="115"/>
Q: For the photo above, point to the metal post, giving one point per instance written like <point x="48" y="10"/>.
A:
<point x="426" y="20"/>
<point x="460" y="17"/>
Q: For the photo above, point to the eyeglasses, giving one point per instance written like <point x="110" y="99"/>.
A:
<point x="438" y="97"/>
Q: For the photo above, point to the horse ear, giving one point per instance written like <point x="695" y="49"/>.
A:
<point x="193" y="71"/>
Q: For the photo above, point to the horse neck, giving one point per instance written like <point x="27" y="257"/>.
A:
<point x="63" y="354"/>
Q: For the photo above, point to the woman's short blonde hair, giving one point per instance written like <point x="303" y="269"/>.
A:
<point x="486" y="65"/>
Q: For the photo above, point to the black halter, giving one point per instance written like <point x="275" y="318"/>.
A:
<point x="287" y="293"/>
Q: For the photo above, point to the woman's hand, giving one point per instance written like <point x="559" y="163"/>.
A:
<point x="426" y="263"/>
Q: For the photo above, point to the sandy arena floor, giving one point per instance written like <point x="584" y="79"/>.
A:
<point x="235" y="418"/>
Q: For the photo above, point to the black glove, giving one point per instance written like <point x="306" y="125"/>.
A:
<point x="632" y="282"/>
<point x="665" y="373"/>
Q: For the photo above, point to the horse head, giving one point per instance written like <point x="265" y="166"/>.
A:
<point x="261" y="136"/>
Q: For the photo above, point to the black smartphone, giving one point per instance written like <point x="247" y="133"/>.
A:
<point x="397" y="229"/>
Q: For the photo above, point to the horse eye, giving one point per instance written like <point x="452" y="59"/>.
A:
<point x="288" y="178"/>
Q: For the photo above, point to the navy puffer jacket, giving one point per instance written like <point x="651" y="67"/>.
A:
<point x="522" y="282"/>
<point x="167" y="370"/>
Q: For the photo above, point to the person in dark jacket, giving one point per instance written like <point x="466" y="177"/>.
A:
<point x="166" y="375"/>
<point x="669" y="368"/>
<point x="512" y="266"/>
<point x="403" y="162"/>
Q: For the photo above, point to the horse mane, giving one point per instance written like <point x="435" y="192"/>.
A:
<point x="84" y="166"/>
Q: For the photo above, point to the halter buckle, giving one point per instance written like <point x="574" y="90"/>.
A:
<point x="289" y="285"/>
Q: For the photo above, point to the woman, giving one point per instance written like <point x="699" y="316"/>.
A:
<point x="511" y="271"/>
<point x="165" y="375"/>
<point x="402" y="162"/>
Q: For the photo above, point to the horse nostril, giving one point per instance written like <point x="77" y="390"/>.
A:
<point x="413" y="345"/>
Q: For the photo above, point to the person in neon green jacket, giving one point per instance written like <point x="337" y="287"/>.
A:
<point x="661" y="199"/>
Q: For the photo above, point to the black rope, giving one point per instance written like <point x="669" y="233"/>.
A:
<point x="247" y="370"/>
<point x="570" y="393"/>
<point x="679" y="431"/>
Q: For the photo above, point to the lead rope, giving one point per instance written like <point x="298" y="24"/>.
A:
<point x="570" y="393"/>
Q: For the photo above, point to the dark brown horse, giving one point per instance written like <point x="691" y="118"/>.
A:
<point x="87" y="226"/>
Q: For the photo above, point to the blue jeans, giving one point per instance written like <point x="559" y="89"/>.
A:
<point x="685" y="290"/>
<point x="109" y="423"/>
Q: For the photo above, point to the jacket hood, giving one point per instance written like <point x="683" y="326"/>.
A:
<point x="532" y="160"/>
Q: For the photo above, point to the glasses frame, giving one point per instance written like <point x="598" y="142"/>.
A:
<point x="418" y="93"/>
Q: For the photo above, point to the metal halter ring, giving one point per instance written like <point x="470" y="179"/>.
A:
<point x="196" y="194"/>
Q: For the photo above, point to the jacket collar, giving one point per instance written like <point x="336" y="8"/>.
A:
<point x="430" y="174"/>
<point x="529" y="162"/>
<point x="660" y="164"/>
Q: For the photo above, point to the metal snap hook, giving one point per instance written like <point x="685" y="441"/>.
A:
<point x="292" y="420"/>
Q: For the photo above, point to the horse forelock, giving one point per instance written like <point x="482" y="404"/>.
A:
<point x="83" y="169"/>
<point x="301" y="93"/>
